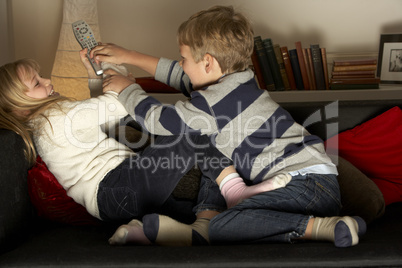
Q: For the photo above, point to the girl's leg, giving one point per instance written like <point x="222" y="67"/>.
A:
<point x="166" y="231"/>
<point x="142" y="184"/>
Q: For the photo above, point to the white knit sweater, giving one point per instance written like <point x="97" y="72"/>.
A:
<point x="76" y="149"/>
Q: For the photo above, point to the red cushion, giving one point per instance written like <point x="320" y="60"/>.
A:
<point x="374" y="147"/>
<point x="51" y="201"/>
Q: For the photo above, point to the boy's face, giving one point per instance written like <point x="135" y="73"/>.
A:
<point x="194" y="70"/>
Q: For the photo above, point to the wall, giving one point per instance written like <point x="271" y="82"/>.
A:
<point x="150" y="25"/>
<point x="6" y="44"/>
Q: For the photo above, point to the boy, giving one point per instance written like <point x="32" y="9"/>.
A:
<point x="268" y="148"/>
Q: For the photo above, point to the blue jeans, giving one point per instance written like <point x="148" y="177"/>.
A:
<point x="141" y="185"/>
<point x="279" y="215"/>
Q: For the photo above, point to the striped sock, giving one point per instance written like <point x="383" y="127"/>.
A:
<point x="234" y="190"/>
<point x="165" y="231"/>
<point x="343" y="231"/>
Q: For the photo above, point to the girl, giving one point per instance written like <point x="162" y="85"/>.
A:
<point x="106" y="177"/>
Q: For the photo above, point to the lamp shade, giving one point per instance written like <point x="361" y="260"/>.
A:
<point x="69" y="77"/>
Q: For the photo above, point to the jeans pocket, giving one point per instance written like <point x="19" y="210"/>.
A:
<point x="118" y="203"/>
<point x="326" y="200"/>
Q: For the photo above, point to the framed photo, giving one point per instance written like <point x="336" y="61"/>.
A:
<point x="390" y="59"/>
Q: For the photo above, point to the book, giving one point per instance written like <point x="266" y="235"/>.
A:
<point x="317" y="66"/>
<point x="282" y="69"/>
<point x="294" y="60"/>
<point x="325" y="66"/>
<point x="354" y="86"/>
<point x="352" y="62"/>
<point x="263" y="61"/>
<point x="351" y="81"/>
<point x="288" y="67"/>
<point x="310" y="68"/>
<point x="273" y="64"/>
<point x="302" y="65"/>
<point x="366" y="67"/>
<point x="371" y="73"/>
<point x="258" y="70"/>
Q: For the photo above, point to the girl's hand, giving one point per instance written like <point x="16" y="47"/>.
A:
<point x="109" y="53"/>
<point x="87" y="64"/>
<point x="116" y="82"/>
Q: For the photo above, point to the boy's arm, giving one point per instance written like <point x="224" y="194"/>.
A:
<point x="184" y="117"/>
<point x="170" y="72"/>
<point x="119" y="55"/>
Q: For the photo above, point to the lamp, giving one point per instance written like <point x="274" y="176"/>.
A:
<point x="69" y="77"/>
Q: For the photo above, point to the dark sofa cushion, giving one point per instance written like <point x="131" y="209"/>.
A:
<point x="360" y="196"/>
<point x="15" y="207"/>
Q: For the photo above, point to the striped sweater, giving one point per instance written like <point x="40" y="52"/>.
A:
<point x="244" y="123"/>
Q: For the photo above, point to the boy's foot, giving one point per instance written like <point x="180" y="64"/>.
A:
<point x="343" y="231"/>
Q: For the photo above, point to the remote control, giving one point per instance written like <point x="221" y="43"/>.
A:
<point x="86" y="38"/>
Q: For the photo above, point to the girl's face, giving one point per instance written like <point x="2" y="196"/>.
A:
<point x="38" y="87"/>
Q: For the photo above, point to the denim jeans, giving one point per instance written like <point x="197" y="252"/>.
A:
<point x="185" y="210"/>
<point x="279" y="215"/>
<point x="141" y="185"/>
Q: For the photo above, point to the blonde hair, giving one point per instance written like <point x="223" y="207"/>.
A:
<point x="222" y="33"/>
<point x="16" y="108"/>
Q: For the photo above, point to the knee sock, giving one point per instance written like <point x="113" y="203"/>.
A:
<point x="165" y="231"/>
<point x="343" y="231"/>
<point x="234" y="190"/>
<point x="132" y="232"/>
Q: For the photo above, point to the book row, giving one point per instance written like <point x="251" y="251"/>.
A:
<point x="279" y="68"/>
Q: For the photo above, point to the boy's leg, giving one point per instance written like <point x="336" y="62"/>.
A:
<point x="231" y="185"/>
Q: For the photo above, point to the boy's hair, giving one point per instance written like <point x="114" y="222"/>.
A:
<point x="16" y="108"/>
<point x="222" y="33"/>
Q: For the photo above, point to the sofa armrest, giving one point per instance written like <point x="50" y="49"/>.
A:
<point x="15" y="207"/>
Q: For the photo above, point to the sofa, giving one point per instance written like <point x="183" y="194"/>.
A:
<point x="28" y="239"/>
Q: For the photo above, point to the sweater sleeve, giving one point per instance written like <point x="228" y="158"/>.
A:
<point x="170" y="73"/>
<point x="193" y="116"/>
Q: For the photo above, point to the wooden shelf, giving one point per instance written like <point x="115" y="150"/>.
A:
<point x="386" y="92"/>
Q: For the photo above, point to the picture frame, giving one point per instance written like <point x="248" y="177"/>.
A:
<point x="389" y="68"/>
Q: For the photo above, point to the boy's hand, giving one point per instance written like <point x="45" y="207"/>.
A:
<point x="109" y="53"/>
<point x="87" y="64"/>
<point x="116" y="82"/>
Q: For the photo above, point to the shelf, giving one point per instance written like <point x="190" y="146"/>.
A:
<point x="386" y="92"/>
